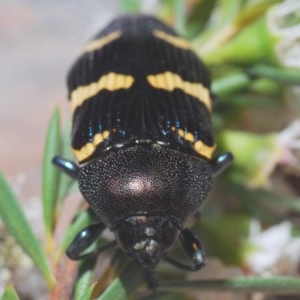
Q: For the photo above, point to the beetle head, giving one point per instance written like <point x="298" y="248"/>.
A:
<point x="146" y="239"/>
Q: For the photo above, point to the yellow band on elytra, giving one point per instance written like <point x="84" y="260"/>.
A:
<point x="173" y="40"/>
<point x="89" y="148"/>
<point x="101" y="42"/>
<point x="170" y="81"/>
<point x="111" y="82"/>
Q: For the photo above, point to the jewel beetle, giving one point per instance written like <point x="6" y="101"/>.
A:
<point x="143" y="139"/>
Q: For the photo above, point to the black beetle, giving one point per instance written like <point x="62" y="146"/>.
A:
<point x="143" y="139"/>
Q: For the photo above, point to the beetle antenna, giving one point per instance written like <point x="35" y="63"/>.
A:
<point x="67" y="166"/>
<point x="220" y="163"/>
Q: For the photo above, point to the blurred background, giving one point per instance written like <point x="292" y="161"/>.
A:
<point x="38" y="42"/>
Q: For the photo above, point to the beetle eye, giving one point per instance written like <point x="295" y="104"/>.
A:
<point x="170" y="234"/>
<point x="125" y="234"/>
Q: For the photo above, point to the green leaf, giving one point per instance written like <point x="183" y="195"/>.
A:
<point x="124" y="286"/>
<point x="283" y="203"/>
<point x="219" y="29"/>
<point x="168" y="296"/>
<point x="83" y="290"/>
<point x="267" y="87"/>
<point x="231" y="83"/>
<point x="251" y="201"/>
<point x="253" y="9"/>
<point x="179" y="15"/>
<point x="233" y="18"/>
<point x="232" y="237"/>
<point x="254" y="44"/>
<point x="88" y="293"/>
<point x="10" y="294"/>
<point x="129" y="6"/>
<point x="50" y="176"/>
<point x="288" y="285"/>
<point x="291" y="76"/>
<point x="199" y="16"/>
<point x="83" y="219"/>
<point x="65" y="182"/>
<point x="252" y="153"/>
<point x="16" y="223"/>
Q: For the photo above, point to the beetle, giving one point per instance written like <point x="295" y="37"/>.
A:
<point x="143" y="139"/>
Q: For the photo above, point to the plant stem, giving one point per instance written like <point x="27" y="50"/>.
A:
<point x="284" y="75"/>
<point x="287" y="285"/>
<point x="230" y="83"/>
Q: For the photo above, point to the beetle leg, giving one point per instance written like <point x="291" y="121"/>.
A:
<point x="84" y="239"/>
<point x="194" y="250"/>
<point x="69" y="167"/>
<point x="220" y="163"/>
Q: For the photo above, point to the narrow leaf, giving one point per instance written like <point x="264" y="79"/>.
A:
<point x="291" y="76"/>
<point x="88" y="294"/>
<point x="50" y="176"/>
<point x="10" y="294"/>
<point x="220" y="29"/>
<point x="124" y="286"/>
<point x="83" y="284"/>
<point x="129" y="6"/>
<point x="168" y="296"/>
<point x="288" y="285"/>
<point x="66" y="183"/>
<point x="231" y="83"/>
<point x="198" y="17"/>
<point x="83" y="219"/>
<point x="179" y="15"/>
<point x="16" y="223"/>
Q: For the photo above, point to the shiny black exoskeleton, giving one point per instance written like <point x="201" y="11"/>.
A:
<point x="143" y="139"/>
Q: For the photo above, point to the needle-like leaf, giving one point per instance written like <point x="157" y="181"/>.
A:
<point x="18" y="226"/>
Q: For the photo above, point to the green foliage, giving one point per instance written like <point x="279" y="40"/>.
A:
<point x="51" y="175"/>
<point x="125" y="285"/>
<point x="83" y="289"/>
<point x="223" y="230"/>
<point x="16" y="223"/>
<point x="247" y="284"/>
<point x="10" y="294"/>
<point x="83" y="219"/>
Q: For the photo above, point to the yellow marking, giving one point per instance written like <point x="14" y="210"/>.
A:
<point x="173" y="40"/>
<point x="89" y="148"/>
<point x="100" y="43"/>
<point x="205" y="150"/>
<point x="105" y="134"/>
<point x="85" y="151"/>
<point x="111" y="81"/>
<point x="128" y="81"/>
<point x="170" y="81"/>
<point x="199" y="146"/>
<point x="98" y="138"/>
<point x="189" y="137"/>
<point x="181" y="132"/>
